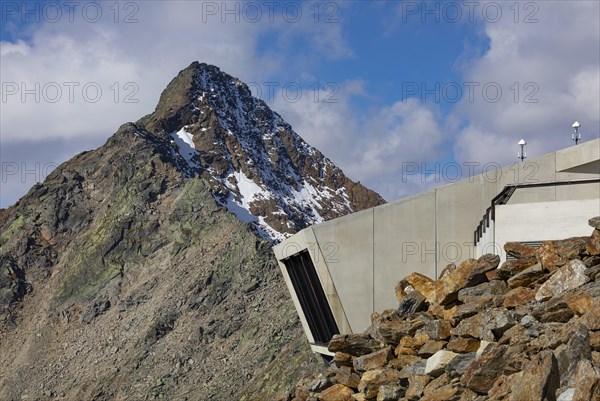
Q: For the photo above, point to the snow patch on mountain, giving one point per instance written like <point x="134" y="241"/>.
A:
<point x="185" y="143"/>
<point x="244" y="191"/>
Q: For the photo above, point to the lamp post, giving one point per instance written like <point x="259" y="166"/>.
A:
<point x="575" y="136"/>
<point x="522" y="154"/>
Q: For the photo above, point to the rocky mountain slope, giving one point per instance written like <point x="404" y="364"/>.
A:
<point x="526" y="331"/>
<point x="126" y="276"/>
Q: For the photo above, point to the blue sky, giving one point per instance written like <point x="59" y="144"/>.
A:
<point x="393" y="77"/>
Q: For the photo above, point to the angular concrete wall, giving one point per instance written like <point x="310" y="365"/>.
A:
<point x="347" y="249"/>
<point x="404" y="241"/>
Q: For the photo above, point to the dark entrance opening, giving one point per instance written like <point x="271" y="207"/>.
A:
<point x="311" y="296"/>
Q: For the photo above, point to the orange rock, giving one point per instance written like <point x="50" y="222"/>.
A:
<point x="548" y="256"/>
<point x="373" y="360"/>
<point x="586" y="382"/>
<point x="539" y="381"/>
<point x="449" y="312"/>
<point x="337" y="392"/>
<point x="527" y="276"/>
<point x="591" y="319"/>
<point x="519" y="250"/>
<point x="517" y="297"/>
<point x="436" y="330"/>
<point x="553" y="254"/>
<point x="342" y="359"/>
<point x="595" y="340"/>
<point x="354" y="344"/>
<point x="416" y="385"/>
<point x="446" y="289"/>
<point x="442" y="394"/>
<point x="592" y="244"/>
<point x="371" y="380"/>
<point x="463" y="344"/>
<point x="405" y="351"/>
<point x="413" y="342"/>
<point x="579" y="303"/>
<point x="501" y="387"/>
<point x="510" y="268"/>
<point x="346" y="376"/>
<point x="471" y="272"/>
<point x="448" y="269"/>
<point x="392" y="331"/>
<point x="485" y="263"/>
<point x="420" y="283"/>
<point x="436" y="310"/>
<point x="482" y="373"/>
<point x="431" y="347"/>
<point x="443" y="311"/>
<point x="403" y="360"/>
<point x="436" y="383"/>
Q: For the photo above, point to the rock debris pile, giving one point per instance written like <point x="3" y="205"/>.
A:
<point x="528" y="330"/>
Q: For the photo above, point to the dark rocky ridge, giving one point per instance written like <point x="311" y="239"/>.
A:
<point x="121" y="276"/>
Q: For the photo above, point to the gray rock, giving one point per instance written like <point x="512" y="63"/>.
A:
<point x="554" y="310"/>
<point x="459" y="365"/>
<point x="415" y="368"/>
<point x="389" y="393"/>
<point x="320" y="384"/>
<point x="436" y="364"/>
<point x="354" y="344"/>
<point x="251" y="286"/>
<point x="593" y="289"/>
<point x="568" y="277"/>
<point x="528" y="321"/>
<point x="413" y="302"/>
<point x="527" y="276"/>
<point x="569" y="355"/>
<point x="486" y="326"/>
<point x="490" y="288"/>
<point x="566" y="395"/>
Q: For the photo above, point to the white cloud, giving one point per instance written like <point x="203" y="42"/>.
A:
<point x="555" y="64"/>
<point x="374" y="148"/>
<point x="101" y="54"/>
<point x="167" y="37"/>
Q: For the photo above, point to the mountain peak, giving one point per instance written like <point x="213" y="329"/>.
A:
<point x="255" y="163"/>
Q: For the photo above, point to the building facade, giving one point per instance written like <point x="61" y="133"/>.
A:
<point x="341" y="271"/>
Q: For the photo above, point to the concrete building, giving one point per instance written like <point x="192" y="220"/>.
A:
<point x="341" y="271"/>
